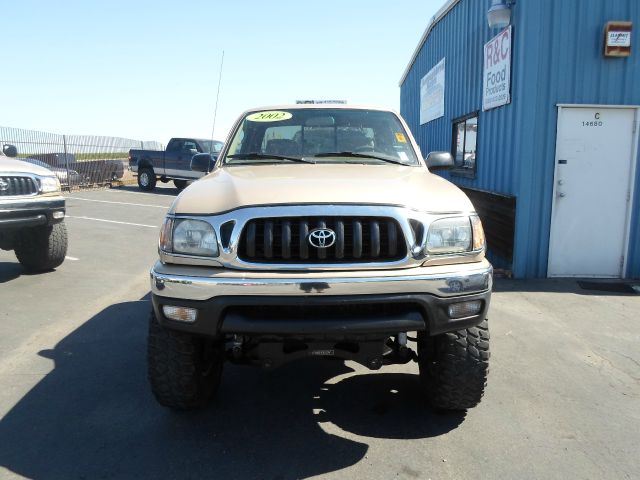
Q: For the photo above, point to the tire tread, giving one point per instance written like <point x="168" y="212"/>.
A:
<point x="42" y="248"/>
<point x="454" y="367"/>
<point x="174" y="368"/>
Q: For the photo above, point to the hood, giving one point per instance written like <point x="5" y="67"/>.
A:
<point x="229" y="188"/>
<point x="16" y="166"/>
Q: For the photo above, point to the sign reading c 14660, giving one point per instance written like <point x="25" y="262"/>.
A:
<point x="496" y="83"/>
<point x="596" y="122"/>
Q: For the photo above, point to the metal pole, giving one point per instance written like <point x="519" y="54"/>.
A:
<point x="66" y="161"/>
<point x="215" y="111"/>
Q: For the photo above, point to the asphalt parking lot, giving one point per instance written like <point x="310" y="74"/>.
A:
<point x="563" y="399"/>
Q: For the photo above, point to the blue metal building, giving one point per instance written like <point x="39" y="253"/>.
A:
<point x="544" y="165"/>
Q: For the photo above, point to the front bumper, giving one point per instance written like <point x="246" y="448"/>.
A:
<point x="32" y="212"/>
<point x="231" y="301"/>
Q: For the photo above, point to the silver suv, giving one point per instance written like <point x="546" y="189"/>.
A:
<point x="320" y="232"/>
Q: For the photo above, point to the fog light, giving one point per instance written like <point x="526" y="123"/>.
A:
<point x="464" y="309"/>
<point x="180" y="314"/>
<point x="58" y="215"/>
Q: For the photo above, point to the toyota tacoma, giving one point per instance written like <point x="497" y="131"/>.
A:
<point x="319" y="231"/>
<point x="32" y="212"/>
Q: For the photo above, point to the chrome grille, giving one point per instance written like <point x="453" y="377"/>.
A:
<point x="15" y="186"/>
<point x="357" y="239"/>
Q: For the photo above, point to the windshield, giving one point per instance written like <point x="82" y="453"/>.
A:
<point x="211" y="146"/>
<point x="321" y="136"/>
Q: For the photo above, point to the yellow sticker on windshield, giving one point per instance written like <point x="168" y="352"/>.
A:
<point x="400" y="137"/>
<point x="271" y="116"/>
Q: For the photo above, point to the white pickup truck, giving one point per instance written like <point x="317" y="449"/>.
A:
<point x="32" y="212"/>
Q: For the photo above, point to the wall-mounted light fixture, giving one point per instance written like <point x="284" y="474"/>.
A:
<point x="499" y="14"/>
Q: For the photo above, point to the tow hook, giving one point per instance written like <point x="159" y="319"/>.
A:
<point x="235" y="346"/>
<point x="400" y="353"/>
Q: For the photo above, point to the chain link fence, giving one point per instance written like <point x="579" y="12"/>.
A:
<point x="79" y="161"/>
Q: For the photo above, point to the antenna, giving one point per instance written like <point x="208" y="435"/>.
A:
<point x="215" y="110"/>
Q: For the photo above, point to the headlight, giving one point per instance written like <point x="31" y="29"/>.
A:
<point x="49" y="184"/>
<point x="188" y="237"/>
<point x="455" y="235"/>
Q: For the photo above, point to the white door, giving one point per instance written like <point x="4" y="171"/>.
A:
<point x="595" y="155"/>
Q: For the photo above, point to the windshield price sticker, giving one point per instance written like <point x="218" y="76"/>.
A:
<point x="401" y="138"/>
<point x="271" y="116"/>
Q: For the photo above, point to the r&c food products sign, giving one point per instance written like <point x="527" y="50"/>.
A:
<point x="496" y="84"/>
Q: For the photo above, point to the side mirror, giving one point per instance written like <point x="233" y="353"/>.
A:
<point x="203" y="162"/>
<point x="439" y="160"/>
<point x="10" y="150"/>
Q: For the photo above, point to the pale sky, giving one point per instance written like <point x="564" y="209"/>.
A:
<point x="149" y="70"/>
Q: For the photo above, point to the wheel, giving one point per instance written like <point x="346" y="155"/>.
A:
<point x="184" y="370"/>
<point x="454" y="366"/>
<point x="180" y="184"/>
<point x="146" y="179"/>
<point x="42" y="248"/>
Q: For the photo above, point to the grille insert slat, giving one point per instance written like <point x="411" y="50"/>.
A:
<point x="286" y="240"/>
<point x="16" y="186"/>
<point x="268" y="239"/>
<point x="302" y="240"/>
<point x="392" y="235"/>
<point x="339" y="239"/>
<point x="375" y="239"/>
<point x="357" y="240"/>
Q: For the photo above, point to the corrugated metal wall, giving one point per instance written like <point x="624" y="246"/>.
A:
<point x="557" y="58"/>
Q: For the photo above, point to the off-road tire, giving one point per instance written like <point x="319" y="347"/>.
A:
<point x="146" y="179"/>
<point x="184" y="370"/>
<point x="42" y="248"/>
<point x="180" y="184"/>
<point x="454" y="367"/>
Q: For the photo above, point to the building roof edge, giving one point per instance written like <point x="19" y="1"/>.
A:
<point x="440" y="14"/>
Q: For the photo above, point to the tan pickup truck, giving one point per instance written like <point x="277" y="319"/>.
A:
<point x="320" y="232"/>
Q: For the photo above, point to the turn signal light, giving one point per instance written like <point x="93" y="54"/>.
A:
<point x="180" y="314"/>
<point x="464" y="309"/>
<point x="478" y="233"/>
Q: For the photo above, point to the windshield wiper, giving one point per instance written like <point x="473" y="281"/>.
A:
<point x="360" y="155"/>
<point x="260" y="156"/>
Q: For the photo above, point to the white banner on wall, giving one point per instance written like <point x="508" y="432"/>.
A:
<point x="432" y="94"/>
<point x="496" y="83"/>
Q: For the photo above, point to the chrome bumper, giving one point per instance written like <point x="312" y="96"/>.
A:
<point x="204" y="283"/>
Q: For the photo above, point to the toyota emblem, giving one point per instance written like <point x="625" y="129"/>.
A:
<point x="3" y="185"/>
<point x="322" y="237"/>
